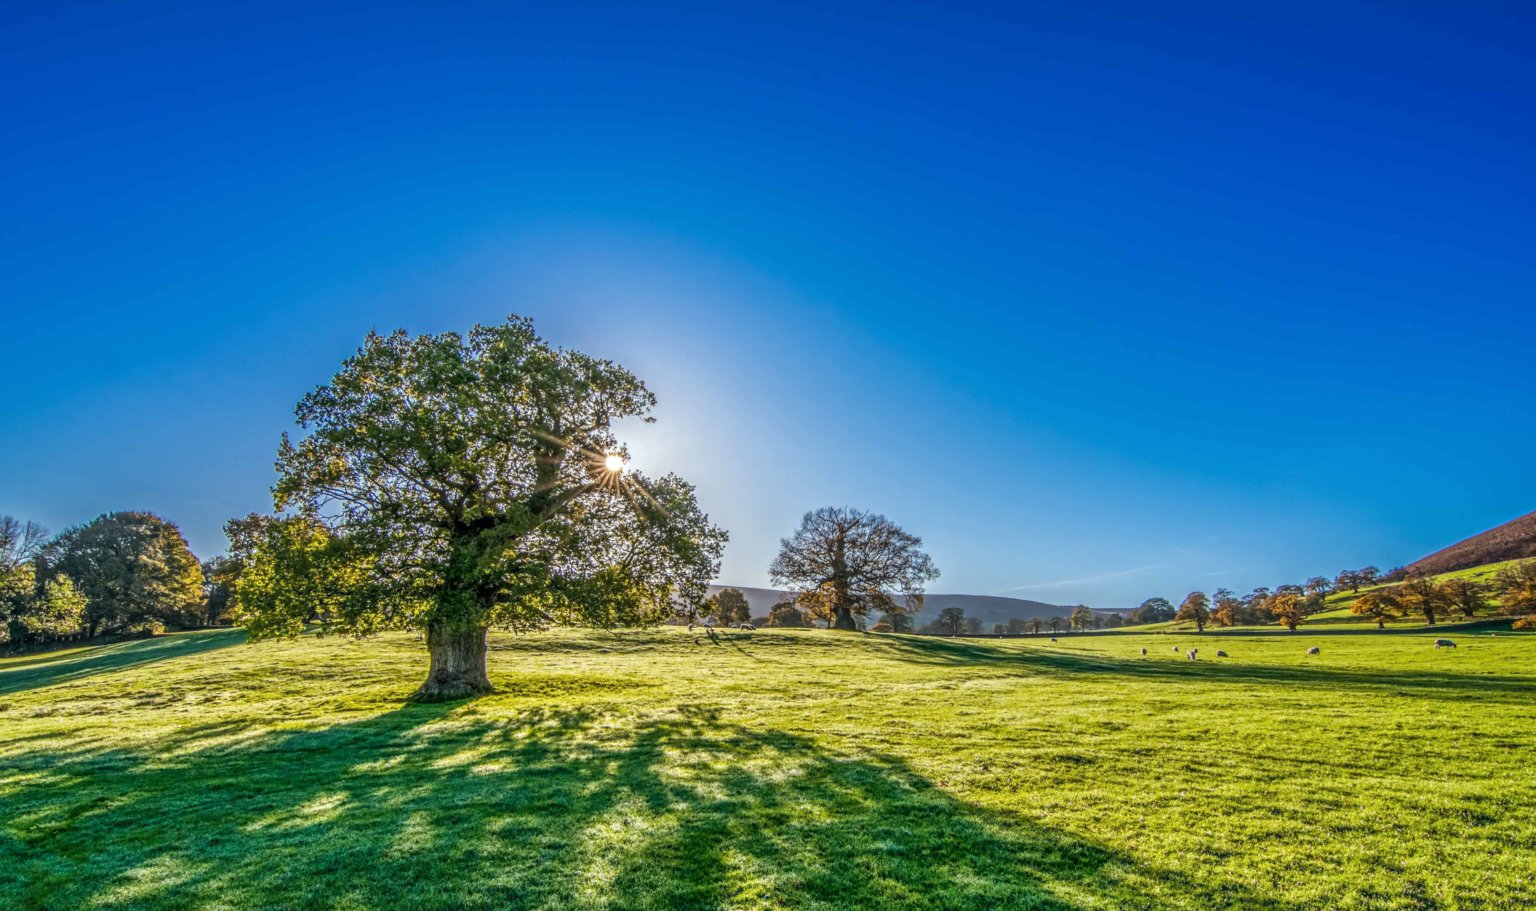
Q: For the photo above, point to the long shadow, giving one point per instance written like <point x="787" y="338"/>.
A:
<point x="432" y="806"/>
<point x="1498" y="687"/>
<point x="118" y="656"/>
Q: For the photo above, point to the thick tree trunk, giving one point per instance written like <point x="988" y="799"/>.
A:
<point x="458" y="664"/>
<point x="843" y="618"/>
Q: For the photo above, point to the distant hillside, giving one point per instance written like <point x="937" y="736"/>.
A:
<point x="1511" y="541"/>
<point x="990" y="608"/>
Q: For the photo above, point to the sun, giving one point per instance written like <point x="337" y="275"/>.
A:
<point x="614" y="462"/>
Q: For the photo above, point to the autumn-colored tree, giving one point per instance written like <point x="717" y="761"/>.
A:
<point x="1516" y="586"/>
<point x="1288" y="609"/>
<point x="1422" y="595"/>
<point x="1226" y="608"/>
<point x="1256" y="606"/>
<point x="1379" y="604"/>
<point x="1081" y="619"/>
<point x="1465" y="595"/>
<point x="1197" y="608"/>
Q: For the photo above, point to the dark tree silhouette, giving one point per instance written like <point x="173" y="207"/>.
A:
<point x="851" y="562"/>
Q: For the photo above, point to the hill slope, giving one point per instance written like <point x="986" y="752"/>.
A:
<point x="1513" y="540"/>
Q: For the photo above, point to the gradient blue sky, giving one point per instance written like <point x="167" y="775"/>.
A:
<point x="1103" y="301"/>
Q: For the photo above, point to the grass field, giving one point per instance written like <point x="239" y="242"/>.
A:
<point x="794" y="769"/>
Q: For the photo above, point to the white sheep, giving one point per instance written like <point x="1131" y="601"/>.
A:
<point x="1314" y="650"/>
<point x="1192" y="653"/>
<point x="1444" y="643"/>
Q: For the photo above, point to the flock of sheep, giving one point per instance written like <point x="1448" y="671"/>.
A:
<point x="1194" y="653"/>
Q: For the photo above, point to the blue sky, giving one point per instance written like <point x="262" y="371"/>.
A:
<point x="1102" y="301"/>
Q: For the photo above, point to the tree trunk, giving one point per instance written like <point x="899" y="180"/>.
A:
<point x="458" y="664"/>
<point x="843" y="618"/>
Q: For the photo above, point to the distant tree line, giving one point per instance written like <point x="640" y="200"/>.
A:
<point x="952" y="621"/>
<point x="122" y="573"/>
<point x="1378" y="596"/>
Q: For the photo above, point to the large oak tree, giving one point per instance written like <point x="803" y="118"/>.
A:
<point x="478" y="479"/>
<point x="850" y="563"/>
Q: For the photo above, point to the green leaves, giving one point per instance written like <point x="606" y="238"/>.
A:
<point x="465" y="472"/>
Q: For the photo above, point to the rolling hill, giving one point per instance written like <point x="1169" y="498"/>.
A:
<point x="1513" y="540"/>
<point x="990" y="608"/>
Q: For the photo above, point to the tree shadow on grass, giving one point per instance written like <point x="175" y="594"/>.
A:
<point x="1310" y="672"/>
<point x="79" y="663"/>
<point x="443" y="807"/>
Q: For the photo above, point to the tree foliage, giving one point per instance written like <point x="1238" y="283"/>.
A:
<point x="1516" y="586"/>
<point x="1081" y="618"/>
<point x="786" y="614"/>
<point x="1153" y="610"/>
<point x="951" y="621"/>
<point x="1379" y="605"/>
<point x="1197" y="608"/>
<point x="1288" y="607"/>
<point x="731" y="607"/>
<point x="1422" y="595"/>
<point x="470" y="473"/>
<point x="1465" y="595"/>
<point x="850" y="562"/>
<point x="134" y="570"/>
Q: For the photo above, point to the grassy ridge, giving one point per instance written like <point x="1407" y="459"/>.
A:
<point x="799" y="769"/>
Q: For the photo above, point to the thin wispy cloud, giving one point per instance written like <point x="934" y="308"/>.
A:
<point x="1063" y="583"/>
<point x="1227" y="572"/>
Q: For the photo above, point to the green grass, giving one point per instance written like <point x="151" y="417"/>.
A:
<point x="794" y="769"/>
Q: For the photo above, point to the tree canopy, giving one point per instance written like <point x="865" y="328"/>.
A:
<point x="1196" y="607"/>
<point x="479" y="480"/>
<point x="851" y="562"/>
<point x="133" y="569"/>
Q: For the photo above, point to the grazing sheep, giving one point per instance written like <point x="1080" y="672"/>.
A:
<point x="1143" y="652"/>
<point x="1175" y="649"/>
<point x="1053" y="638"/>
<point x="1220" y="653"/>
<point x="1192" y="653"/>
<point x="1444" y="643"/>
<point x="1314" y="650"/>
<point x="747" y="626"/>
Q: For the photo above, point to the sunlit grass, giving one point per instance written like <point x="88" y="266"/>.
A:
<point x="800" y="769"/>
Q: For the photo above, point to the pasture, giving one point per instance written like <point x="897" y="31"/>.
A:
<point x="779" y="769"/>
